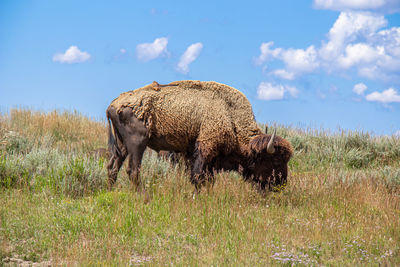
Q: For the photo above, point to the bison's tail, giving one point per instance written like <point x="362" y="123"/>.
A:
<point x="112" y="143"/>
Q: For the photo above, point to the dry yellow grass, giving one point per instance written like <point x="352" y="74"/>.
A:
<point x="70" y="131"/>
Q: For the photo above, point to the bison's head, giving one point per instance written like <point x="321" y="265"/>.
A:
<point x="268" y="160"/>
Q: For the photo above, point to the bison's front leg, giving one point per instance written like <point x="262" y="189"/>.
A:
<point x="199" y="171"/>
<point x="197" y="174"/>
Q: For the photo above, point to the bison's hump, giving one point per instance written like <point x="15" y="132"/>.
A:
<point x="211" y="97"/>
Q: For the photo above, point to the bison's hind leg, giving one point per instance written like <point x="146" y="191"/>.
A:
<point x="113" y="167"/>
<point x="134" y="134"/>
<point x="117" y="147"/>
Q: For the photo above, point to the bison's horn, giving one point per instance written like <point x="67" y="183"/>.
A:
<point x="270" y="146"/>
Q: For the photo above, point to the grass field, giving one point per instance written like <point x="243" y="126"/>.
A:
<point x="341" y="206"/>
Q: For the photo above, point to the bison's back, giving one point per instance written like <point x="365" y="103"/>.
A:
<point x="177" y="118"/>
<point x="237" y="105"/>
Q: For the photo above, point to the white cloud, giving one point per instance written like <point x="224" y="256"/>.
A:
<point x="300" y="60"/>
<point x="380" y="5"/>
<point x="388" y="96"/>
<point x="297" y="61"/>
<point x="356" y="42"/>
<point x="122" y="51"/>
<point x="359" y="88"/>
<point x="267" y="53"/>
<point x="391" y="40"/>
<point x="371" y="72"/>
<point x="149" y="51"/>
<point x="190" y="55"/>
<point x="269" y="91"/>
<point x="347" y="28"/>
<point x="284" y="74"/>
<point x="357" y="54"/>
<point x="292" y="90"/>
<point x="71" y="55"/>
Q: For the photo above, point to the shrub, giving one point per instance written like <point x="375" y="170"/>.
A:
<point x="12" y="173"/>
<point x="299" y="143"/>
<point x="39" y="161"/>
<point x="74" y="175"/>
<point x="356" y="158"/>
<point x="81" y="176"/>
<point x="357" y="141"/>
<point x="16" y="144"/>
<point x="8" y="177"/>
<point x="392" y="177"/>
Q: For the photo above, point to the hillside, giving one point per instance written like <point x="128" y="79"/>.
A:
<point x="341" y="205"/>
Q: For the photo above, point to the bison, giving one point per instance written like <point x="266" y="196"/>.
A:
<point x="211" y="123"/>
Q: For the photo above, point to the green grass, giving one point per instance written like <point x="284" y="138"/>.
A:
<point x="341" y="205"/>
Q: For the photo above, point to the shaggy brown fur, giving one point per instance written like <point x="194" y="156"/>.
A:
<point x="179" y="110"/>
<point x="211" y="122"/>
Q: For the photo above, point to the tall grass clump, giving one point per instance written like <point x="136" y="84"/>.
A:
<point x="341" y="206"/>
<point x="69" y="131"/>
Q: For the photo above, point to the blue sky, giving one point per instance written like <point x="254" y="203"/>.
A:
<point x="310" y="64"/>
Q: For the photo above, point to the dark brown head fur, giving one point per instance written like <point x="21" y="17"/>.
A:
<point x="268" y="169"/>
